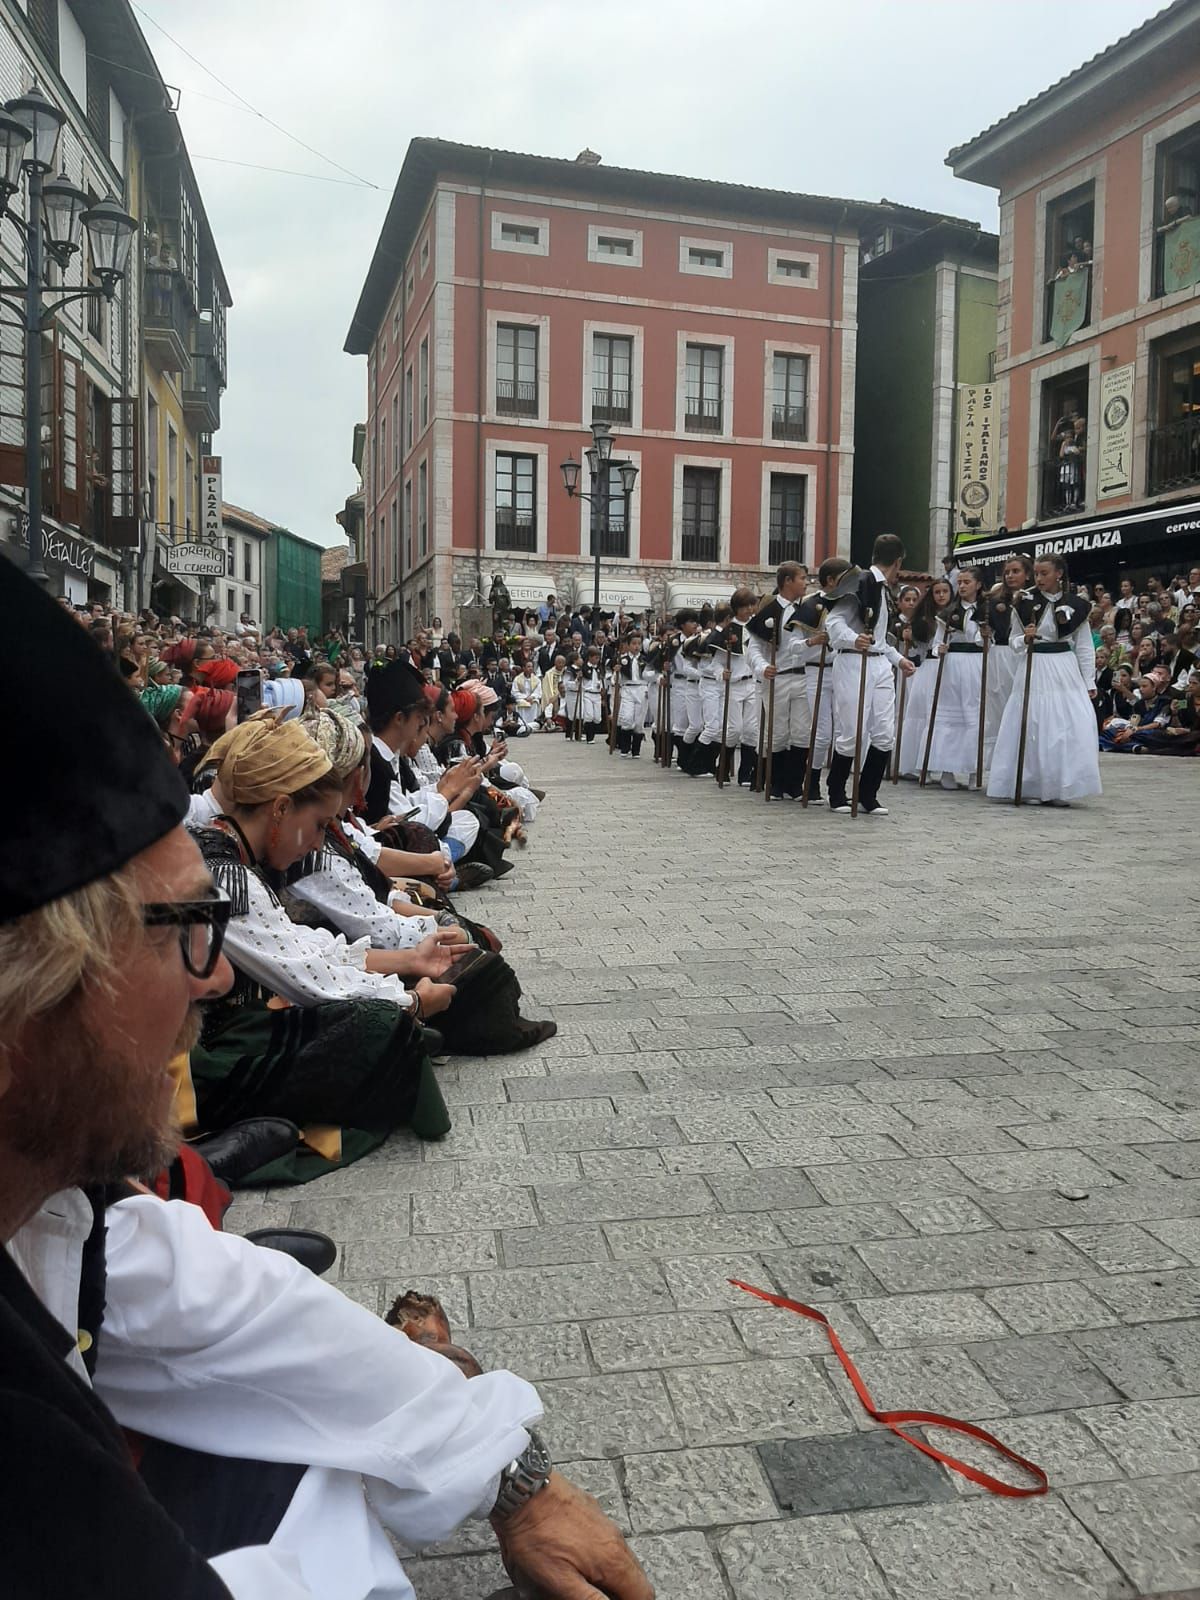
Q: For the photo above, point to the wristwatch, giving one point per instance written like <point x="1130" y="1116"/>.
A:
<point x="522" y="1478"/>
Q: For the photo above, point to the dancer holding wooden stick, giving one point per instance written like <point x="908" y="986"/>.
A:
<point x="782" y="679"/>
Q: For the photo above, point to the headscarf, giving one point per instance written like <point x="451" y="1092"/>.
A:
<point x="284" y="694"/>
<point x="181" y="654"/>
<point x="217" y="674"/>
<point x="465" y="706"/>
<point x="211" y="707"/>
<point x="161" y="700"/>
<point x="338" y="736"/>
<point x="263" y="758"/>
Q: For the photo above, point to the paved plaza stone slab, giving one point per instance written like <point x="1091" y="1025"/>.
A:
<point x="857" y="1473"/>
<point x="968" y="1133"/>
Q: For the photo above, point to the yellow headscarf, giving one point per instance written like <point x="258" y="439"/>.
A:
<point x="263" y="757"/>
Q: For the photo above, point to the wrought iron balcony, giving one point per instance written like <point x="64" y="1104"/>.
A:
<point x="789" y="422"/>
<point x="515" y="529"/>
<point x="1175" y="454"/>
<point x="202" y="394"/>
<point x="515" y="399"/>
<point x="612" y="405"/>
<point x="613" y="541"/>
<point x="167" y="318"/>
<point x="700" y="544"/>
<point x="1064" y="485"/>
<point x="702" y="414"/>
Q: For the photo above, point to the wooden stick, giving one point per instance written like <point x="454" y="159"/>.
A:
<point x="723" y="762"/>
<point x="858" y="733"/>
<point x="812" y="738"/>
<point x="769" y="753"/>
<point x="614" y="706"/>
<point x="1024" y="722"/>
<point x="982" y="710"/>
<point x="937" y="690"/>
<point x="900" y="721"/>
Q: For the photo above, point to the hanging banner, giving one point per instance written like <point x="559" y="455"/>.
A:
<point x="1115" y="460"/>
<point x="1181" y="255"/>
<point x="1070" y="304"/>
<point x="976" y="491"/>
<point x="210" y="498"/>
<point x="195" y="561"/>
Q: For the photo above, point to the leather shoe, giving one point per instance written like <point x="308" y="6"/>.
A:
<point x="316" y="1251"/>
<point x="474" y="875"/>
<point x="243" y="1147"/>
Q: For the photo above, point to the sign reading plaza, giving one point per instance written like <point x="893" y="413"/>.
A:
<point x="210" y="501"/>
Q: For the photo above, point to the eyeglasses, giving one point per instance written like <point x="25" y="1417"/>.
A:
<point x="201" y="925"/>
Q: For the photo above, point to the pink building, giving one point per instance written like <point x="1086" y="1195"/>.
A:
<point x="1098" y="338"/>
<point x="513" y="300"/>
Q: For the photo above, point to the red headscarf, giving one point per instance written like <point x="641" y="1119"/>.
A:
<point x="465" y="706"/>
<point x="210" y="707"/>
<point x="217" y="674"/>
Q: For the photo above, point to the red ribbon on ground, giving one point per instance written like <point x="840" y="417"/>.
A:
<point x="892" y="1419"/>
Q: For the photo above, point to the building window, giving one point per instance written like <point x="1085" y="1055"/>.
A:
<point x="789" y="397"/>
<point x="422" y="510"/>
<point x="613" y="541"/>
<point x="423" y="362"/>
<point x="704" y="385"/>
<point x="396" y="328"/>
<point x="230" y="558"/>
<point x="247" y="604"/>
<point x="701" y="514"/>
<point x="408" y="409"/>
<point x="1064" y="449"/>
<point x="425" y="253"/>
<point x="786" y="535"/>
<point x="410" y="288"/>
<point x="516" y="371"/>
<point x="1176" y="198"/>
<point x="612" y="378"/>
<point x="710" y="258"/>
<point x="528" y="236"/>
<point x="1069" y="224"/>
<point x="383" y="449"/>
<point x="786" y="267"/>
<point x="229" y="599"/>
<point x="394" y="543"/>
<point x="792" y="268"/>
<point x="516" y="502"/>
<point x="1175" y="402"/>
<point x="610" y="244"/>
<point x="396" y="431"/>
<point x="408" y="525"/>
<point x="246" y="567"/>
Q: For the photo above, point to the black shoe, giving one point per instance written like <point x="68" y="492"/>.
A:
<point x="538" y="794"/>
<point x="316" y="1251"/>
<point x="243" y="1147"/>
<point x="873" y="769"/>
<point x="748" y="755"/>
<point x="473" y="875"/>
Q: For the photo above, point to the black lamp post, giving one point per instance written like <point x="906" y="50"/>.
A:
<point x="30" y="127"/>
<point x="600" y="464"/>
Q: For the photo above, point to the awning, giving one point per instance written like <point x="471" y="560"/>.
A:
<point x="697" y="594"/>
<point x="620" y="594"/>
<point x="528" y="594"/>
<point x="1125" y="531"/>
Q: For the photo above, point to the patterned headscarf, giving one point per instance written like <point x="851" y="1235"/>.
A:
<point x="160" y="700"/>
<point x="263" y="758"/>
<point x="338" y="736"/>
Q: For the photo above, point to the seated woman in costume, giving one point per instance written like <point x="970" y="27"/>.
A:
<point x="489" y="742"/>
<point x="317" y="1030"/>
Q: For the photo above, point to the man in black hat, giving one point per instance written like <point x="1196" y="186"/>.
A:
<point x="274" y="1395"/>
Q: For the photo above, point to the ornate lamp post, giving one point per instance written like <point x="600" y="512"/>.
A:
<point x="600" y="464"/>
<point x="30" y="128"/>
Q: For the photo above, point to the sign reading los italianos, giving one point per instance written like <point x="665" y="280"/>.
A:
<point x="210" y="500"/>
<point x="1115" y="456"/>
<point x="975" y="491"/>
<point x="196" y="560"/>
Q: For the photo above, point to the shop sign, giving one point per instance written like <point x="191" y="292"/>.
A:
<point x="1116" y="432"/>
<point x="210" y="499"/>
<point x="195" y="561"/>
<point x="975" y="484"/>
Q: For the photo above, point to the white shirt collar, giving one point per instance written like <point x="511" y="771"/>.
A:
<point x="392" y="757"/>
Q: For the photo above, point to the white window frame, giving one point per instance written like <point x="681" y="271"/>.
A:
<point x="521" y="446"/>
<point x="503" y="219"/>
<point x="1095" y="173"/>
<point x="422" y="477"/>
<point x="726" y="342"/>
<point x="813" y="261"/>
<point x="1161" y="133"/>
<point x="424" y="257"/>
<point x="407" y="523"/>
<point x="1081" y="356"/>
<point x="519" y="319"/>
<point x="620" y="330"/>
<point x="410" y="406"/>
<point x="635" y="516"/>
<point x="425" y="408"/>
<point x="597" y="231"/>
<point x="793" y="469"/>
<point x="725" y="466"/>
<point x="687" y="244"/>
<point x="776" y="347"/>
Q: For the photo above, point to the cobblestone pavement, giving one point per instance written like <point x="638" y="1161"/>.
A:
<point x="966" y="1124"/>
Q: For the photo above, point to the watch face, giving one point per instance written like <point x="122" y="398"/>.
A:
<point x="537" y="1456"/>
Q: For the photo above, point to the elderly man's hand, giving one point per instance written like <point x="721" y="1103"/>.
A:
<point x="561" y="1546"/>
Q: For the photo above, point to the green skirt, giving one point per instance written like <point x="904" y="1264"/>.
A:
<point x="357" y="1064"/>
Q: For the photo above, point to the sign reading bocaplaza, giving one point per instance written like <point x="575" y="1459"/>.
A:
<point x="196" y="560"/>
<point x="976" y="498"/>
<point x="1114" y="461"/>
<point x="210" y="498"/>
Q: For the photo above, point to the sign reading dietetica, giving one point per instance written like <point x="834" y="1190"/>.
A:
<point x="975" y="489"/>
<point x="210" y="500"/>
<point x="1115" y="459"/>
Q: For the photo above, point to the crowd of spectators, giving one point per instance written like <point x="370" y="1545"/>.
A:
<point x="1148" y="665"/>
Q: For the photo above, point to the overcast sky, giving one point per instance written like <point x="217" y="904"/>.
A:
<point x="856" y="98"/>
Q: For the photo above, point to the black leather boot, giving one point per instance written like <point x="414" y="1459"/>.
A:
<point x="873" y="768"/>
<point x="243" y="1147"/>
<point x="840" y="769"/>
<point x="745" y="774"/>
<point x="636" y="740"/>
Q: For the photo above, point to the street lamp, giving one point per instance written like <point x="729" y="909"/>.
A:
<point x="600" y="465"/>
<point x="30" y="128"/>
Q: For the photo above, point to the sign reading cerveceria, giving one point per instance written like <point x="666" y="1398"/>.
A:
<point x="975" y="493"/>
<point x="196" y="560"/>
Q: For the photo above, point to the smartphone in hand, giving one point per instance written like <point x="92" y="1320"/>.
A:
<point x="249" y="693"/>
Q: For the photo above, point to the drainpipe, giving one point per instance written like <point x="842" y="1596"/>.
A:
<point x="480" y="380"/>
<point x="834" y="231"/>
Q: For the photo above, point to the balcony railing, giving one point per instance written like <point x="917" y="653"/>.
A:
<point x="1063" y="486"/>
<point x="515" y="399"/>
<point x="515" y="530"/>
<point x="784" y="545"/>
<point x="612" y="405"/>
<point x="166" y="318"/>
<point x="702" y="414"/>
<point x="700" y="544"/>
<point x="789" y="422"/>
<point x="202" y="394"/>
<point x="1175" y="454"/>
<point x="614" y="541"/>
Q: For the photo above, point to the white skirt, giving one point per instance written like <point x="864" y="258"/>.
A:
<point x="955" y="743"/>
<point x="917" y="700"/>
<point x="1003" y="662"/>
<point x="1062" y="752"/>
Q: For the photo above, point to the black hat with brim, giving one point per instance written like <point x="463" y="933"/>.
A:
<point x="393" y="687"/>
<point x="100" y="786"/>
